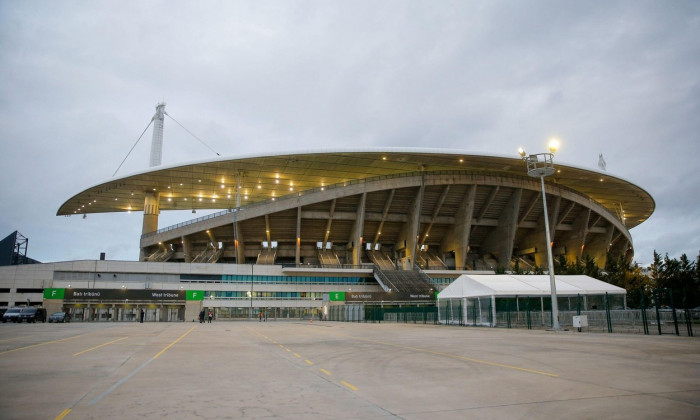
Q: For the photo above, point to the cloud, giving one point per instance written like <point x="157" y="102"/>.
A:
<point x="80" y="82"/>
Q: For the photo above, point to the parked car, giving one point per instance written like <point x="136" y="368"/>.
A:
<point x="32" y="315"/>
<point x="11" y="314"/>
<point x="59" y="317"/>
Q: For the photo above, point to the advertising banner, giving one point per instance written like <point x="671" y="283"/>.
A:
<point x="123" y="294"/>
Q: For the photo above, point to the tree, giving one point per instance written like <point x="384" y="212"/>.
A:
<point x="590" y="268"/>
<point x="679" y="276"/>
<point x="655" y="270"/>
<point x="613" y="272"/>
<point x="516" y="267"/>
<point x="636" y="283"/>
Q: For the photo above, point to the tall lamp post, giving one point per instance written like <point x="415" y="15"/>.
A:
<point x="542" y="165"/>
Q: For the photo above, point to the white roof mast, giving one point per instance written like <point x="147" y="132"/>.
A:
<point x="157" y="143"/>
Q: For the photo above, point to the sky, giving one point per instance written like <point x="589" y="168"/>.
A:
<point x="79" y="82"/>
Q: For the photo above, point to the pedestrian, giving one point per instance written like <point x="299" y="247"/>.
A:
<point x="260" y="315"/>
<point x="201" y="316"/>
<point x="142" y="315"/>
<point x="211" y="315"/>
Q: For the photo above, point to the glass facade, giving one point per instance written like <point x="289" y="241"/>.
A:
<point x="255" y="279"/>
<point x="217" y="294"/>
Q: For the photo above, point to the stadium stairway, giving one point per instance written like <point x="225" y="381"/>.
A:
<point x="401" y="281"/>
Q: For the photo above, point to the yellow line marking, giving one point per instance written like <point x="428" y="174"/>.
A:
<point x="309" y="362"/>
<point x="63" y="414"/>
<point x="174" y="342"/>
<point x="297" y="355"/>
<point x="325" y="371"/>
<point x="287" y="349"/>
<point x="274" y="341"/>
<point x="40" y="344"/>
<point x="354" y="388"/>
<point x="468" y="359"/>
<point x="101" y="345"/>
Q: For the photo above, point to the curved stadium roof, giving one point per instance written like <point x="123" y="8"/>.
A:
<point x="211" y="184"/>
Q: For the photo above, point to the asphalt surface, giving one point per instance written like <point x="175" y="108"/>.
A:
<point x="332" y="370"/>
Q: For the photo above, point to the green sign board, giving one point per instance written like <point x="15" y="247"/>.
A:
<point x="336" y="296"/>
<point x="195" y="295"/>
<point x="54" y="293"/>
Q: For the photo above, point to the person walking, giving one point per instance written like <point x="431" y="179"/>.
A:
<point x="201" y="316"/>
<point x="142" y="315"/>
<point x="211" y="315"/>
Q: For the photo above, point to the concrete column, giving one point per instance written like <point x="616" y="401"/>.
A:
<point x="385" y="212"/>
<point x="192" y="308"/>
<point x="331" y="212"/>
<point x="186" y="248"/>
<point x="457" y="239"/>
<point x="268" y="235"/>
<point x="410" y="231"/>
<point x="297" y="255"/>
<point x="554" y="217"/>
<point x="533" y="243"/>
<point x="239" y="243"/>
<point x="151" y="209"/>
<point x="599" y="244"/>
<point x="357" y="229"/>
<point x="575" y="239"/>
<point x="500" y="241"/>
<point x="436" y="212"/>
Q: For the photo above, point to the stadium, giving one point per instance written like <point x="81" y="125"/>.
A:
<point x="293" y="230"/>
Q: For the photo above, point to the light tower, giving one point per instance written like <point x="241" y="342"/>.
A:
<point x="540" y="165"/>
<point x="157" y="142"/>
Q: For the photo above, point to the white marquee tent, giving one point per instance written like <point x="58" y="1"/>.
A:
<point x="474" y="298"/>
<point x="504" y="285"/>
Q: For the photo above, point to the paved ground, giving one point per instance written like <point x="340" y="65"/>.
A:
<point x="328" y="370"/>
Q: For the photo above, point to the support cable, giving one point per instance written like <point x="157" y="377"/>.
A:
<point x="132" y="147"/>
<point x="200" y="140"/>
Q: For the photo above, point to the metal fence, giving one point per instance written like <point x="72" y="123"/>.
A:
<point x="603" y="314"/>
<point x="425" y="314"/>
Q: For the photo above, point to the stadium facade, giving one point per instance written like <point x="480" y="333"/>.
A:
<point x="389" y="226"/>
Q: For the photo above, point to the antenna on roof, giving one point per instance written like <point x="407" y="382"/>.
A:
<point x="601" y="162"/>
